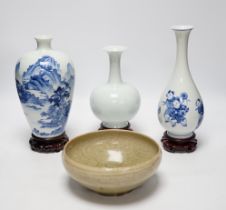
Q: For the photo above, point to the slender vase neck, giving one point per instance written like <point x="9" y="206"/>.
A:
<point x="43" y="42"/>
<point x="115" y="70"/>
<point x="182" y="49"/>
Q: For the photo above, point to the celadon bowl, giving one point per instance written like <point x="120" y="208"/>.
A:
<point x="111" y="162"/>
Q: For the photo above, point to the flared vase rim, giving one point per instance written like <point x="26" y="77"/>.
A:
<point x="182" y="27"/>
<point x="115" y="48"/>
<point x="43" y="37"/>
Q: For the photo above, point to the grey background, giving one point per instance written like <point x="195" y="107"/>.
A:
<point x="82" y="28"/>
<point x="31" y="181"/>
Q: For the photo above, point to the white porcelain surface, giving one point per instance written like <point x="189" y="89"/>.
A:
<point x="116" y="102"/>
<point x="45" y="81"/>
<point x="180" y="109"/>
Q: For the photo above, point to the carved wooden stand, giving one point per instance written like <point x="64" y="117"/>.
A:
<point x="171" y="144"/>
<point x="48" y="145"/>
<point x="102" y="127"/>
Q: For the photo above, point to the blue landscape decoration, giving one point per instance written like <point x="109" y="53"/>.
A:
<point x="176" y="108"/>
<point x="44" y="90"/>
<point x="200" y="110"/>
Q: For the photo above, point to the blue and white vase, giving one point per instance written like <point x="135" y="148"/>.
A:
<point x="180" y="110"/>
<point x="45" y="83"/>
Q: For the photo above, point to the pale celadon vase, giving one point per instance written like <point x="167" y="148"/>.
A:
<point x="116" y="102"/>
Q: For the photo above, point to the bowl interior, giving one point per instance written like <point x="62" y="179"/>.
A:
<point x="111" y="149"/>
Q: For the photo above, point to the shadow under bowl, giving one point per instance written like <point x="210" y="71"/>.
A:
<point x="111" y="162"/>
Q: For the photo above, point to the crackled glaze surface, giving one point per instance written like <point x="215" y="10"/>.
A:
<point x="111" y="162"/>
<point x="112" y="150"/>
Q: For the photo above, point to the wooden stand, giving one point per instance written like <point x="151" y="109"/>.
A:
<point x="48" y="145"/>
<point x="102" y="127"/>
<point x="171" y="144"/>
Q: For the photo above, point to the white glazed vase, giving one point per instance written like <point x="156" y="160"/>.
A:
<point x="180" y="109"/>
<point x="116" y="102"/>
<point x="45" y="83"/>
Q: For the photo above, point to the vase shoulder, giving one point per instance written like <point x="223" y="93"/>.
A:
<point x="121" y="89"/>
<point x="32" y="56"/>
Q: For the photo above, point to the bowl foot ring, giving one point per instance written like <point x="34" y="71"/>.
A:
<point x="114" y="194"/>
<point x="48" y="145"/>
<point x="128" y="128"/>
<point x="171" y="144"/>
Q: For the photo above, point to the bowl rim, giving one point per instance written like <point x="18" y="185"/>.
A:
<point x="115" y="170"/>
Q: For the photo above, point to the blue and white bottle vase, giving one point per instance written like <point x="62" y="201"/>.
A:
<point x="180" y="109"/>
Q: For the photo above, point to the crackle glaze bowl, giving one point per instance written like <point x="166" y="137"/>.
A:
<point x="111" y="162"/>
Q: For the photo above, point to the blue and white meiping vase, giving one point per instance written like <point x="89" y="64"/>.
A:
<point x="180" y="109"/>
<point x="45" y="83"/>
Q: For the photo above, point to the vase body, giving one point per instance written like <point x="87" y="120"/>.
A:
<point x="116" y="102"/>
<point x="45" y="83"/>
<point x="180" y="109"/>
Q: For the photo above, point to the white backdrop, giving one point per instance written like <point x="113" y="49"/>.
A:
<point x="81" y="28"/>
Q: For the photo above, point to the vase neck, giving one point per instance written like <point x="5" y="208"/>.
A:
<point x="115" y="69"/>
<point x="115" y="53"/>
<point x="182" y="36"/>
<point x="43" y="42"/>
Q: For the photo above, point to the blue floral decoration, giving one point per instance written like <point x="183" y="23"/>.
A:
<point x="200" y="109"/>
<point x="44" y="90"/>
<point x="176" y="108"/>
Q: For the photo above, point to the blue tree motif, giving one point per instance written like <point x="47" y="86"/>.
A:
<point x="176" y="108"/>
<point x="56" y="116"/>
<point x="42" y="86"/>
<point x="200" y="109"/>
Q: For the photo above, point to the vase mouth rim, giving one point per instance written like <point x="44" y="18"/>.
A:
<point x="182" y="27"/>
<point x="43" y="37"/>
<point x="115" y="48"/>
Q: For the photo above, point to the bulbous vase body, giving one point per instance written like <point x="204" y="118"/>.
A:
<point x="45" y="83"/>
<point x="116" y="102"/>
<point x="180" y="109"/>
